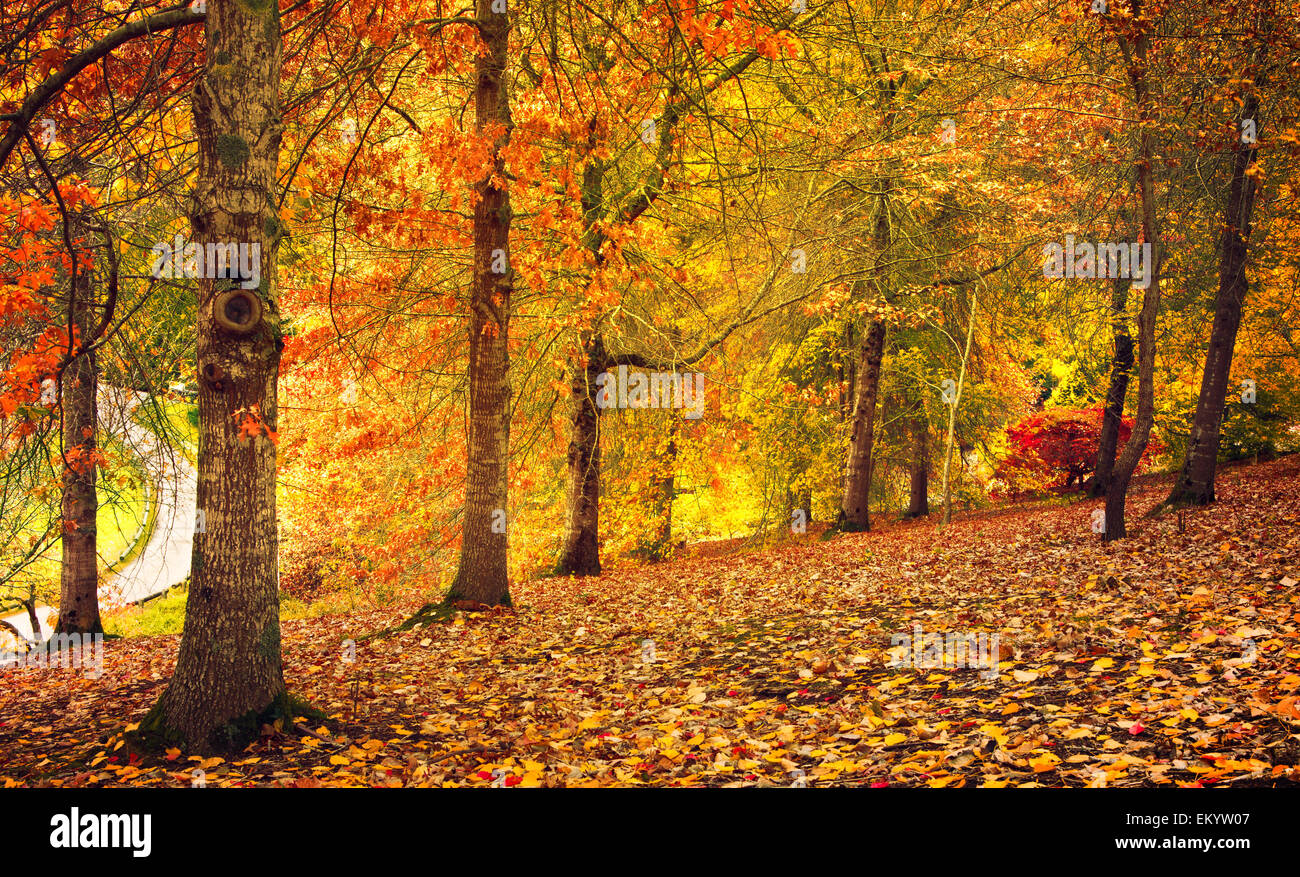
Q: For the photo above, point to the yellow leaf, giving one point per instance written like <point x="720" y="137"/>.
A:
<point x="1045" y="762"/>
<point x="341" y="760"/>
<point x="895" y="739"/>
<point x="1102" y="664"/>
<point x="1024" y="675"/>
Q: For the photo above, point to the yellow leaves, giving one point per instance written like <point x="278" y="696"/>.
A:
<point x="595" y="720"/>
<point x="996" y="732"/>
<point x="340" y="760"/>
<point x="1101" y="664"/>
<point x="1045" y="762"/>
<point x="894" y="739"/>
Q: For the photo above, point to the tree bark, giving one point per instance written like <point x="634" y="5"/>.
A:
<point x="854" y="514"/>
<point x="952" y="414"/>
<point x="918" y="505"/>
<point x="229" y="673"/>
<point x="1195" y="483"/>
<point x="662" y="547"/>
<point x="483" y="575"/>
<point x="581" y="554"/>
<point x="79" y="572"/>
<point x="1117" y="492"/>
<point x="1121" y="365"/>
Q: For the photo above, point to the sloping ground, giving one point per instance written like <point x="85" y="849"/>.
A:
<point x="1169" y="658"/>
<point x="164" y="560"/>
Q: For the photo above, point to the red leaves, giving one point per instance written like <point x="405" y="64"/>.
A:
<point x="1058" y="447"/>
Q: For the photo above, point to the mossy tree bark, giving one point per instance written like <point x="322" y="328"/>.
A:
<point x="229" y="666"/>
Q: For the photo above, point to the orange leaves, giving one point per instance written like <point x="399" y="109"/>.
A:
<point x="251" y="425"/>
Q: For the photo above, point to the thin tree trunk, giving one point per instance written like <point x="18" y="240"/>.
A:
<point x="483" y="575"/>
<point x="854" y="514"/>
<point x="661" y="545"/>
<point x="1121" y="365"/>
<point x="581" y="554"/>
<point x="918" y="505"/>
<point x="229" y="676"/>
<point x="952" y="414"/>
<point x="1195" y="483"/>
<point x="79" y="573"/>
<point x="1126" y="465"/>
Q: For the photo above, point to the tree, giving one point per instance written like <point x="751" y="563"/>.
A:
<point x="1135" y="447"/>
<point x="1109" y="437"/>
<point x="1195" y="482"/>
<point x="79" y="573"/>
<point x="482" y="575"/>
<point x="1058" y="448"/>
<point x="228" y="673"/>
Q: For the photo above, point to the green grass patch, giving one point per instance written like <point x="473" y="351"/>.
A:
<point x="176" y="421"/>
<point x="166" y="614"/>
<point x="161" y="615"/>
<point x="122" y="506"/>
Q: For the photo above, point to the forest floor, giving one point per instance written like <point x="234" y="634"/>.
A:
<point x="1169" y="658"/>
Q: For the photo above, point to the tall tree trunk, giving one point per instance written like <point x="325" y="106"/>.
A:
<point x="952" y="414"/>
<point x="1121" y="364"/>
<point x="228" y="671"/>
<point x="918" y="505"/>
<point x="854" y="514"/>
<point x="1126" y="465"/>
<point x="1195" y="484"/>
<point x="581" y="554"/>
<point x="79" y="573"/>
<point x="483" y="575"/>
<point x="661" y="543"/>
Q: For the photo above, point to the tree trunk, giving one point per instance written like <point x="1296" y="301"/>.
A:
<point x="854" y="514"/>
<point x="952" y="414"/>
<point x="581" y="555"/>
<point x="1117" y="492"/>
<point x="79" y="573"/>
<point x="229" y="674"/>
<point x="659" y="546"/>
<point x="483" y="575"/>
<point x="919" y="502"/>
<point x="1195" y="484"/>
<point x="1121" y="365"/>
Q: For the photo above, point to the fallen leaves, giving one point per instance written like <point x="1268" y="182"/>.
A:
<point x="773" y="669"/>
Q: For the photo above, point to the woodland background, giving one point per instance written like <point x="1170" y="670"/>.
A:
<point x="835" y="211"/>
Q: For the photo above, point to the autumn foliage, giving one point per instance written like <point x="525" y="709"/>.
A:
<point x="1057" y="448"/>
